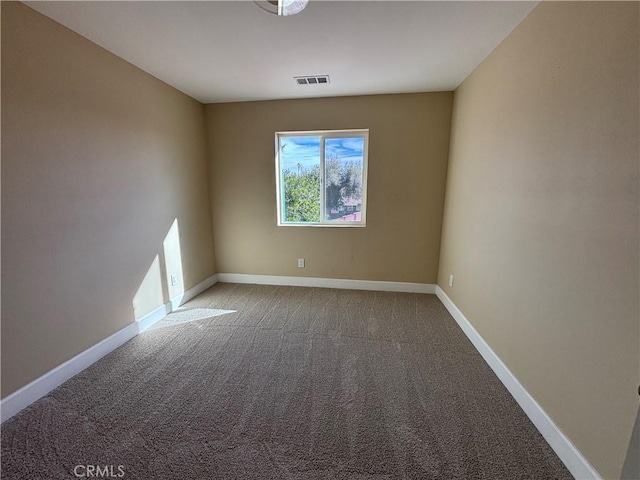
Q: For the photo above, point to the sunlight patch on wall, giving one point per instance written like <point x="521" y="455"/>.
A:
<point x="164" y="280"/>
<point x="173" y="261"/>
<point x="150" y="293"/>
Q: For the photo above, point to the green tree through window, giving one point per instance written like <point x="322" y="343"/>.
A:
<point x="302" y="195"/>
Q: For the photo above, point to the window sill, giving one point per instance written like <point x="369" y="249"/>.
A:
<point x="323" y="225"/>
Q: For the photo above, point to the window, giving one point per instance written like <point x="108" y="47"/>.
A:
<point x="321" y="178"/>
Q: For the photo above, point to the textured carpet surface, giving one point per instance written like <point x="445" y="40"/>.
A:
<point x="262" y="382"/>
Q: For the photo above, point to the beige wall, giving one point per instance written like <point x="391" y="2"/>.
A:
<point x="99" y="160"/>
<point x="408" y="148"/>
<point x="541" y="217"/>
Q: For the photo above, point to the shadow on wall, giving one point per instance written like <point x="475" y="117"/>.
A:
<point x="163" y="282"/>
<point x="631" y="468"/>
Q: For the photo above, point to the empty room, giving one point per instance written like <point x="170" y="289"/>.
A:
<point x="306" y="239"/>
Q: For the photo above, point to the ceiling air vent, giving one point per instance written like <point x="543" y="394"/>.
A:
<point x="313" y="80"/>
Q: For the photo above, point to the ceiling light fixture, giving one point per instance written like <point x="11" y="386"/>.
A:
<point x="282" y="7"/>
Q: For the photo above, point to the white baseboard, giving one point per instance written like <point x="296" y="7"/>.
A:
<point x="152" y="317"/>
<point x="575" y="462"/>
<point x="327" y="283"/>
<point x="38" y="388"/>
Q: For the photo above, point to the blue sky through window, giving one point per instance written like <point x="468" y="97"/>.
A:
<point x="306" y="151"/>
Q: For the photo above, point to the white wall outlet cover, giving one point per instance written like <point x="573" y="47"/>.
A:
<point x="451" y="280"/>
<point x="174" y="280"/>
<point x="301" y="263"/>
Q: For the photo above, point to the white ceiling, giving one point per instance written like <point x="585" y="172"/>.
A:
<point x="233" y="51"/>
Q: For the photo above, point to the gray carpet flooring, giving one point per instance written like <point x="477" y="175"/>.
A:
<point x="264" y="382"/>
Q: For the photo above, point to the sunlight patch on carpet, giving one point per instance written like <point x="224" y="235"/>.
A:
<point x="181" y="316"/>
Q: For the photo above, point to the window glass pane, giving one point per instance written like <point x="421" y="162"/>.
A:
<point x="300" y="178"/>
<point x="343" y="181"/>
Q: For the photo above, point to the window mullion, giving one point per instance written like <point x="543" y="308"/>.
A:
<point x="322" y="181"/>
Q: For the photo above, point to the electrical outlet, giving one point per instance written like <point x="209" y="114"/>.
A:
<point x="174" y="279"/>
<point x="451" y="280"/>
<point x="301" y="263"/>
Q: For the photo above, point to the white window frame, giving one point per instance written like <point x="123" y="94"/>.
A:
<point x="324" y="134"/>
